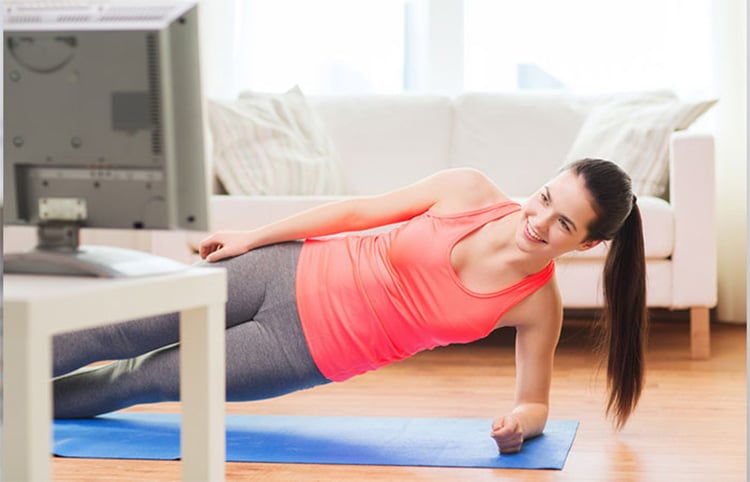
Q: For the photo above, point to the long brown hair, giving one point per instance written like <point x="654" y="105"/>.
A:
<point x="624" y="321"/>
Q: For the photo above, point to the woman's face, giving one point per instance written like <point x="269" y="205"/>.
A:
<point x="555" y="219"/>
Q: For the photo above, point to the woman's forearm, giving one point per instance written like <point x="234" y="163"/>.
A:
<point x="323" y="220"/>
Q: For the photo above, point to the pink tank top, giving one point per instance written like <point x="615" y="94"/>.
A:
<point x="367" y="300"/>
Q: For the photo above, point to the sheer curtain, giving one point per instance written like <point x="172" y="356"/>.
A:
<point x="325" y="46"/>
<point x="220" y="63"/>
<point x="729" y="71"/>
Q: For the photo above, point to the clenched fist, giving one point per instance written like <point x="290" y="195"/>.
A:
<point x="508" y="434"/>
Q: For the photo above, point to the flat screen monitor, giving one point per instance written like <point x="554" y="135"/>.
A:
<point x="104" y="128"/>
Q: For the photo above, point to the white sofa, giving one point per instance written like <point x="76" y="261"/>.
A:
<point x="520" y="140"/>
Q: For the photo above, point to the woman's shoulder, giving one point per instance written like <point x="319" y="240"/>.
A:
<point x="469" y="177"/>
<point x="467" y="188"/>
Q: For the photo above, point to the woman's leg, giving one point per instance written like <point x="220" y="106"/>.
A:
<point x="247" y="276"/>
<point x="267" y="356"/>
<point x="262" y="362"/>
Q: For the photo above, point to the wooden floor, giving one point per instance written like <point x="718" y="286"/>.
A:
<point x="690" y="425"/>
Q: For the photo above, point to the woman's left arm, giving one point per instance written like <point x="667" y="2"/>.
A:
<point x="460" y="186"/>
<point x="535" y="348"/>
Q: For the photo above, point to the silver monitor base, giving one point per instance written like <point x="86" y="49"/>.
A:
<point x="99" y="261"/>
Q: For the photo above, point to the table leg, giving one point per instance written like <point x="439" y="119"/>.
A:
<point x="202" y="391"/>
<point x="27" y="393"/>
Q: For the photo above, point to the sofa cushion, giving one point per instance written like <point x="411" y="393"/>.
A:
<point x="635" y="133"/>
<point x="518" y="139"/>
<point x="267" y="144"/>
<point x="387" y="141"/>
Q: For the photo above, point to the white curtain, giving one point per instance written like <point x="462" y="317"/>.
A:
<point x="220" y="30"/>
<point x="729" y="19"/>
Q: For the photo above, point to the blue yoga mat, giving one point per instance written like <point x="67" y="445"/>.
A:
<point x="436" y="442"/>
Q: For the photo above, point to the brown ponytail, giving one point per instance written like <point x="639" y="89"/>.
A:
<point x="624" y="321"/>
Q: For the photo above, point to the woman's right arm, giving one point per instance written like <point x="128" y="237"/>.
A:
<point x="355" y="214"/>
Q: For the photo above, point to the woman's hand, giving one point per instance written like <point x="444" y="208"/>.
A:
<point x="225" y="244"/>
<point x="508" y="434"/>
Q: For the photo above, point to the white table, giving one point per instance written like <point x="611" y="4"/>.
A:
<point x="38" y="307"/>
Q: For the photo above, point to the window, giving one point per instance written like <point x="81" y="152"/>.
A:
<point x="388" y="46"/>
<point x="588" y="45"/>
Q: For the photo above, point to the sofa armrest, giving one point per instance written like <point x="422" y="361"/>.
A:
<point x="692" y="195"/>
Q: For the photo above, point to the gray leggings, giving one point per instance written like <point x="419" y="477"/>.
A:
<point x="267" y="355"/>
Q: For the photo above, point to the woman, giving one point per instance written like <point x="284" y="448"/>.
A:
<point x="465" y="260"/>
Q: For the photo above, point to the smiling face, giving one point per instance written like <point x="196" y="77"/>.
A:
<point x="555" y="219"/>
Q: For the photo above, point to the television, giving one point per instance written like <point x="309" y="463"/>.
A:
<point x="104" y="128"/>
